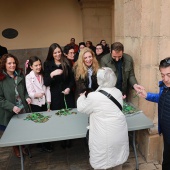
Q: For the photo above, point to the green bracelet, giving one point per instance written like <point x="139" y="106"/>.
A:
<point x="48" y="106"/>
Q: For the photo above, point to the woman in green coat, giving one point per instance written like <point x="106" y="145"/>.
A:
<point x="13" y="95"/>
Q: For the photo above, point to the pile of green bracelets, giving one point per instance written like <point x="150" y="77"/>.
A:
<point x="37" y="117"/>
<point x="65" y="112"/>
<point x="129" y="109"/>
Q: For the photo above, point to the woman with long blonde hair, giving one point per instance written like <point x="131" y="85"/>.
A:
<point x="85" y="71"/>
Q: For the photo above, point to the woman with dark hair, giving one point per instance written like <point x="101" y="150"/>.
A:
<point x="69" y="53"/>
<point x="105" y="46"/>
<point x="81" y="46"/>
<point x="90" y="45"/>
<point x="59" y="76"/>
<point x="13" y="94"/>
<point x="99" y="52"/>
<point x="39" y="93"/>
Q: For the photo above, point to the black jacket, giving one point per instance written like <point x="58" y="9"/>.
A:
<point x="58" y="84"/>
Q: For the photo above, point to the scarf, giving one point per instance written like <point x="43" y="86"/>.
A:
<point x="90" y="72"/>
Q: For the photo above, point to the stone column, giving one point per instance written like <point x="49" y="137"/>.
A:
<point x="144" y="29"/>
<point x="96" y="20"/>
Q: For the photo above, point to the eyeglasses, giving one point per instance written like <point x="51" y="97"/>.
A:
<point x="98" y="48"/>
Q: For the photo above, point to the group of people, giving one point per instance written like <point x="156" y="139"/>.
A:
<point x="100" y="49"/>
<point x="80" y="82"/>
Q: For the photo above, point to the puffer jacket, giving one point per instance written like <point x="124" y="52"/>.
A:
<point x="108" y="131"/>
<point x="7" y="96"/>
<point x="154" y="97"/>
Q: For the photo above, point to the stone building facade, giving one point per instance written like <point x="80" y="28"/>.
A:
<point x="141" y="25"/>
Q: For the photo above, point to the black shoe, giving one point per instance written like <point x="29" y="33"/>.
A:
<point x="45" y="147"/>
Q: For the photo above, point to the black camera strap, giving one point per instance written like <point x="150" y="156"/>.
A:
<point x="111" y="98"/>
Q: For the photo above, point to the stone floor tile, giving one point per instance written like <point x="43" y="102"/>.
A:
<point x="80" y="166"/>
<point x="159" y="167"/>
<point x="58" y="166"/>
<point x="38" y="166"/>
<point x="147" y="166"/>
<point x="57" y="159"/>
<point x="3" y="165"/>
<point x="129" y="166"/>
<point x="74" y="158"/>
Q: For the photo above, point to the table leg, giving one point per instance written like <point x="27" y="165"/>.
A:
<point x="22" y="158"/>
<point x="134" y="148"/>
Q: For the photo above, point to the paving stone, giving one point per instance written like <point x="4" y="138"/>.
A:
<point x="159" y="167"/>
<point x="147" y="166"/>
<point x="3" y="165"/>
<point x="59" y="166"/>
<point x="39" y="165"/>
<point x="129" y="166"/>
<point x="82" y="166"/>
<point x="74" y="158"/>
<point x="57" y="159"/>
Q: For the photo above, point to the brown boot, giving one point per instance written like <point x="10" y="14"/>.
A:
<point x="16" y="151"/>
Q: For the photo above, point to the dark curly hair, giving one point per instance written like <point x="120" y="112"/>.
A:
<point x="3" y="61"/>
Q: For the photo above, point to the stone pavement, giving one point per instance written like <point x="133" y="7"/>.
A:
<point x="74" y="158"/>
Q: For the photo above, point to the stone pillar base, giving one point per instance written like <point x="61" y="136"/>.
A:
<point x="150" y="145"/>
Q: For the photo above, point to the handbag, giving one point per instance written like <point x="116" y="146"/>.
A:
<point x="111" y="98"/>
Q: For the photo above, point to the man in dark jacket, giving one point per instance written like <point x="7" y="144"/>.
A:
<point x="122" y="65"/>
<point x="3" y="50"/>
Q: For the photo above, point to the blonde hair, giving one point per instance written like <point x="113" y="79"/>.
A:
<point x="80" y="69"/>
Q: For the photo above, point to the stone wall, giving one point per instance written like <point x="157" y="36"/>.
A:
<point x="97" y="20"/>
<point x="144" y="29"/>
<point x="24" y="54"/>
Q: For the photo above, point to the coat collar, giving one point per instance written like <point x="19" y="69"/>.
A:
<point x="3" y="75"/>
<point x="33" y="76"/>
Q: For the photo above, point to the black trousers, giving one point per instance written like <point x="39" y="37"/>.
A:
<point x="36" y="108"/>
<point x="166" y="156"/>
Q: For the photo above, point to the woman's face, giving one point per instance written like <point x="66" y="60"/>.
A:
<point x="81" y="47"/>
<point x="70" y="54"/>
<point x="36" y="67"/>
<point x="57" y="54"/>
<point x="10" y="65"/>
<point x="88" y="59"/>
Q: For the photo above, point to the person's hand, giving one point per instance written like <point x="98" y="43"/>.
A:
<point x="28" y="100"/>
<point x="138" y="88"/>
<point x="124" y="96"/>
<point x="83" y="93"/>
<point x="142" y="93"/>
<point x="66" y="91"/>
<point x="16" y="109"/>
<point x="56" y="72"/>
<point x="39" y="95"/>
